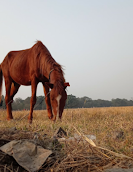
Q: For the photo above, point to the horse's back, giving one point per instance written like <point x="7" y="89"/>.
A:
<point x="13" y="56"/>
<point x="17" y="65"/>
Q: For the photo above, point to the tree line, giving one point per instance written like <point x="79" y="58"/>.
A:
<point x="71" y="102"/>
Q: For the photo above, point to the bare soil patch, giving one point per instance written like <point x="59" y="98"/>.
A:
<point x="67" y="156"/>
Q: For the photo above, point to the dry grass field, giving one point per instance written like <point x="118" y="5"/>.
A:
<point x="113" y="128"/>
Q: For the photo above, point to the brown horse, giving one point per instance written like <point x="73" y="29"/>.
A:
<point x="29" y="67"/>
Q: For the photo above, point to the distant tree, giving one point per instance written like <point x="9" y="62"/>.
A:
<point x="40" y="103"/>
<point x="101" y="103"/>
<point x="85" y="102"/>
<point x="130" y="103"/>
<point x="3" y="105"/>
<point x="119" y="102"/>
<point x="27" y="103"/>
<point x="72" y="102"/>
<point x="18" y="104"/>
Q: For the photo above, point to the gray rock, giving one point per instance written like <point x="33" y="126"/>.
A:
<point x="118" y="135"/>
<point x="59" y="133"/>
<point x="12" y="130"/>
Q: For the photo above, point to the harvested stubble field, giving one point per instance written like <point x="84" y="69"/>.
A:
<point x="113" y="128"/>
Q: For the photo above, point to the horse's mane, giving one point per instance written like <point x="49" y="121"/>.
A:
<point x="47" y="63"/>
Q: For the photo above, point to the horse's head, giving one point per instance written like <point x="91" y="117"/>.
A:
<point x="58" y="100"/>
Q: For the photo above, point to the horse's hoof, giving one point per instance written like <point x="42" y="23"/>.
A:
<point x="9" y="119"/>
<point x="53" y="119"/>
<point x="30" y="121"/>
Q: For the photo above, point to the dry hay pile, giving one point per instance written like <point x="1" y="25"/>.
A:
<point x="73" y="156"/>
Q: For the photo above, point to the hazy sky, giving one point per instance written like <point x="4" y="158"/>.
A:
<point x="92" y="39"/>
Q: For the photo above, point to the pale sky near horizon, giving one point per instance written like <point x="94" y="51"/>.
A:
<point x="92" y="39"/>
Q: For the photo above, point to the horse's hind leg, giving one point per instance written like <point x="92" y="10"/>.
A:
<point x="14" y="89"/>
<point x="8" y="99"/>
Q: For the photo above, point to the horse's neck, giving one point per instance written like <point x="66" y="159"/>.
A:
<point x="55" y="77"/>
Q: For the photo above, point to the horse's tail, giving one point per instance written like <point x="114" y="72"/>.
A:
<point x="1" y="81"/>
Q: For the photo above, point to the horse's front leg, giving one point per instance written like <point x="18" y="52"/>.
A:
<point x="33" y="99"/>
<point x="47" y="100"/>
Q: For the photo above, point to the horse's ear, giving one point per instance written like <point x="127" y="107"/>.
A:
<point x="66" y="84"/>
<point x="49" y="85"/>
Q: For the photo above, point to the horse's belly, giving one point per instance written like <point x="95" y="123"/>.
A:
<point x="22" y="80"/>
